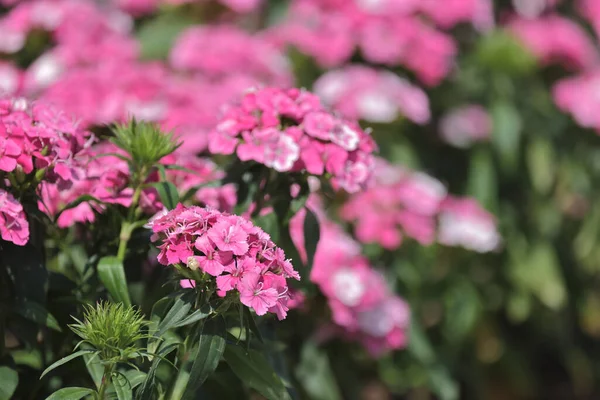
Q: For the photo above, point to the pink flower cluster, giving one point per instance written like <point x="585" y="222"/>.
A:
<point x="377" y="95"/>
<point x="361" y="303"/>
<point x="106" y="178"/>
<point x="578" y="96"/>
<point x="387" y="32"/>
<point x="465" y="125"/>
<point x="240" y="255"/>
<point x="398" y="203"/>
<point x="401" y="203"/>
<point x="142" y="7"/>
<point x="289" y="130"/>
<point x="219" y="51"/>
<point x="34" y="136"/>
<point x="463" y="222"/>
<point x="556" y="39"/>
<point x="13" y="223"/>
<point x="82" y="34"/>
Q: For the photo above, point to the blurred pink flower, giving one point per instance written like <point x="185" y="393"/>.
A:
<point x="13" y="223"/>
<point x="465" y="125"/>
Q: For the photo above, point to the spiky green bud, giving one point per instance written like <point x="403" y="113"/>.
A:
<point x="145" y="143"/>
<point x="112" y="329"/>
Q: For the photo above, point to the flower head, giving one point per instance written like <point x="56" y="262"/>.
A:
<point x="231" y="251"/>
<point x="289" y="130"/>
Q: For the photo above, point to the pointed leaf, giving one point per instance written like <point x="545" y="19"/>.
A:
<point x="176" y="314"/>
<point x="252" y="323"/>
<point x="312" y="234"/>
<point x="167" y="193"/>
<point x="65" y="360"/>
<point x="146" y="390"/>
<point x="70" y="393"/>
<point x="207" y="355"/>
<point x="254" y="370"/>
<point x="36" y="313"/>
<point x="316" y="375"/>
<point x="197" y="315"/>
<point x="112" y="275"/>
<point x="122" y="387"/>
<point x="9" y="379"/>
<point x="94" y="367"/>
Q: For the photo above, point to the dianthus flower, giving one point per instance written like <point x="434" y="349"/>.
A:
<point x="377" y="95"/>
<point x="463" y="222"/>
<point x="289" y="130"/>
<point x="555" y="39"/>
<point x="578" y="96"/>
<point x="397" y="203"/>
<point x="386" y="32"/>
<point x="240" y="256"/>
<point x="362" y="305"/>
<point x="220" y="51"/>
<point x="465" y="125"/>
<point x="13" y="223"/>
<point x="35" y="136"/>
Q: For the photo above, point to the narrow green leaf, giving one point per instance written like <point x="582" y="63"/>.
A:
<point x="506" y="138"/>
<point x="254" y="370"/>
<point x="316" y="375"/>
<point x="197" y="315"/>
<point x="36" y="313"/>
<point x="146" y="390"/>
<point x="65" y="360"/>
<point x="122" y="387"/>
<point x="252" y="323"/>
<point x="207" y="356"/>
<point x="112" y="275"/>
<point x="167" y="193"/>
<point x="9" y="379"/>
<point x="81" y="199"/>
<point x="175" y="315"/>
<point x="70" y="393"/>
<point x="94" y="367"/>
<point x="312" y="234"/>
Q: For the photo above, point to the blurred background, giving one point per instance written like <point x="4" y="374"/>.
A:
<point x="492" y="105"/>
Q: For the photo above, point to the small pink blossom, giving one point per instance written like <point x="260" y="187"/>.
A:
<point x="13" y="223"/>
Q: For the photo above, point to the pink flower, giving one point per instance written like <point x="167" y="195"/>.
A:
<point x="289" y="130"/>
<point x="238" y="254"/>
<point x="464" y="125"/>
<point x="9" y="153"/>
<point x="229" y="236"/>
<point x="254" y="295"/>
<point x="13" y="224"/>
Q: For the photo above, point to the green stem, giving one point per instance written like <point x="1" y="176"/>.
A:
<point x="108" y="369"/>
<point x="126" y="227"/>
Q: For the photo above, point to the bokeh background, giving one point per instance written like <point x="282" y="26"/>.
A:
<point x="492" y="105"/>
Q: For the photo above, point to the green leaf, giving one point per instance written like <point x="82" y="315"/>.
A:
<point x="254" y="370"/>
<point x="207" y="355"/>
<point x="269" y="224"/>
<point x="156" y="37"/>
<point x="70" y="393"/>
<point x="541" y="163"/>
<point x="197" y="315"/>
<point x="252" y="323"/>
<point x="9" y="379"/>
<point x="65" y="360"/>
<point x="36" y="313"/>
<point x="482" y="182"/>
<point x="315" y="374"/>
<point x="81" y="199"/>
<point x="112" y="275"/>
<point x="506" y="136"/>
<point x="122" y="387"/>
<point x="167" y="193"/>
<point x="175" y="315"/>
<point x="146" y="390"/>
<point x="94" y="367"/>
<point x="312" y="234"/>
